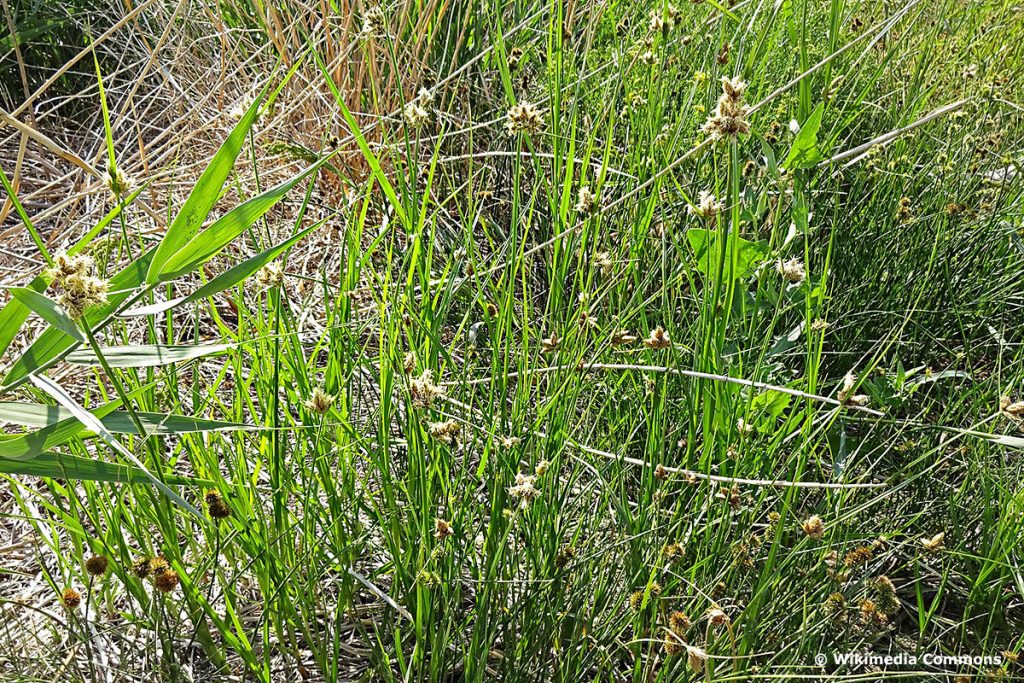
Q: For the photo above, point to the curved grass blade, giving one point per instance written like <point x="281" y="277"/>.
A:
<point x="51" y="435"/>
<point x="146" y="355"/>
<point x="364" y="147"/>
<point x="120" y="422"/>
<point x="225" y="280"/>
<point x="57" y="466"/>
<point x="25" y="219"/>
<point x="47" y="309"/>
<point x="89" y="420"/>
<point x="225" y="229"/>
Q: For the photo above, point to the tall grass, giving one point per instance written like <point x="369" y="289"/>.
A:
<point x="390" y="396"/>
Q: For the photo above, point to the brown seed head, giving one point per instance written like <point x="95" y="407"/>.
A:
<point x="71" y="598"/>
<point x="216" y="505"/>
<point x="96" y="565"/>
<point x="442" y="529"/>
<point x="166" y="581"/>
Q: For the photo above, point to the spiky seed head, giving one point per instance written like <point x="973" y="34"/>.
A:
<point x="158" y="565"/>
<point x="586" y="200"/>
<point x="442" y="529"/>
<point x="935" y="543"/>
<point x="883" y="592"/>
<point x="216" y="506"/>
<point x="166" y="581"/>
<point x="270" y="275"/>
<point x="524" y="490"/>
<point x="814" y="527"/>
<point x="550" y="344"/>
<point x="791" y="270"/>
<point x="64" y="266"/>
<point x="679" y="622"/>
<point x="524" y="118"/>
<point x="141" y="567"/>
<point x="659" y="339"/>
<point x="71" y="598"/>
<point x="620" y="337"/>
<point x="80" y="293"/>
<point x="707" y="205"/>
<point x="375" y="23"/>
<point x="860" y="555"/>
<point x="423" y="390"/>
<point x="1013" y="409"/>
<point x="446" y="432"/>
<point x="415" y="115"/>
<point x="730" y="118"/>
<point x="96" y="565"/>
<point x="319" y="401"/>
<point x="116" y="181"/>
<point x="673" y="644"/>
<point x="673" y="552"/>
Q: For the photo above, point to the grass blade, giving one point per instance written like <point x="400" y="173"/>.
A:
<point x="224" y="230"/>
<point x="225" y="280"/>
<point x="205" y="193"/>
<point x="146" y="355"/>
<point x="89" y="420"/>
<point x="58" y="466"/>
<point x="47" y="309"/>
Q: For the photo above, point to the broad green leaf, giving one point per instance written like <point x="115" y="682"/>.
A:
<point x="705" y="248"/>
<point x="48" y="310"/>
<point x="204" y="195"/>
<point x="52" y="342"/>
<point x="225" y="280"/>
<point x="225" y="229"/>
<point x="93" y="424"/>
<point x="73" y="467"/>
<point x="34" y="444"/>
<point x="768" y="406"/>
<point x="146" y="355"/>
<point x="120" y="422"/>
<point x="805" y="153"/>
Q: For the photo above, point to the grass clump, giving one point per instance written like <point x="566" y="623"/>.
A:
<point x="633" y="341"/>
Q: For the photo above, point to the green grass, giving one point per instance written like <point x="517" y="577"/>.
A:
<point x="383" y="534"/>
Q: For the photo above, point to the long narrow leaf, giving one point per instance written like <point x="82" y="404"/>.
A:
<point x="34" y="444"/>
<point x="93" y="424"/>
<point x="47" y="309"/>
<point x="119" y="422"/>
<point x="225" y="229"/>
<point x="146" y="355"/>
<point x="225" y="280"/>
<point x="57" y="466"/>
<point x="371" y="158"/>
<point x="205" y="193"/>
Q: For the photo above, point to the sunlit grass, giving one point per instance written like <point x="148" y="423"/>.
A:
<point x="643" y="342"/>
